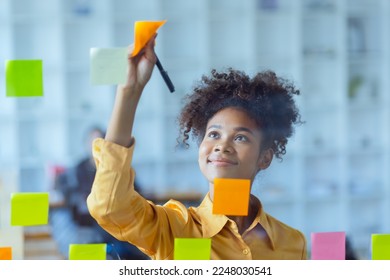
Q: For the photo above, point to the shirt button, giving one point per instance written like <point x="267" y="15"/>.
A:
<point x="245" y="251"/>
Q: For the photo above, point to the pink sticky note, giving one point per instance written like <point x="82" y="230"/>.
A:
<point x="328" y="246"/>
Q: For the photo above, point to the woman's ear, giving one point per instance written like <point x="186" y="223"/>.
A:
<point x="266" y="159"/>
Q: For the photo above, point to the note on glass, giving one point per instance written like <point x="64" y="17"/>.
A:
<point x="143" y="32"/>
<point x="29" y="209"/>
<point x="5" y="253"/>
<point x="380" y="246"/>
<point x="108" y="66"/>
<point x="24" y="78"/>
<point x="96" y="251"/>
<point x="192" y="249"/>
<point x="231" y="196"/>
<point x="328" y="246"/>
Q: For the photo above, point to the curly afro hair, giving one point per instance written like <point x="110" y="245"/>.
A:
<point x="266" y="98"/>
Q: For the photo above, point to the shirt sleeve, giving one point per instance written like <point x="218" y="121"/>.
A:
<point x="124" y="213"/>
<point x="304" y="249"/>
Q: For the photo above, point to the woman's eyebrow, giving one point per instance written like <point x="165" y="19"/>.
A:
<point x="241" y="128"/>
<point x="237" y="129"/>
<point x="217" y="126"/>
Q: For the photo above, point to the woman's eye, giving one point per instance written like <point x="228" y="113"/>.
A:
<point x="213" y="134"/>
<point x="241" y="138"/>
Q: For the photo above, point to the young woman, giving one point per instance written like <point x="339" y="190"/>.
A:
<point x="241" y="124"/>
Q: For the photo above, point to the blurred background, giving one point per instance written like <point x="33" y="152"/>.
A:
<point x="335" y="175"/>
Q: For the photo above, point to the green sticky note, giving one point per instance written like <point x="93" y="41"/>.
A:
<point x="29" y="209"/>
<point x="87" y="251"/>
<point x="192" y="249"/>
<point x="380" y="246"/>
<point x="23" y="78"/>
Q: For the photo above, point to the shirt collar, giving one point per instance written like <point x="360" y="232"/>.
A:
<point x="212" y="223"/>
<point x="262" y="219"/>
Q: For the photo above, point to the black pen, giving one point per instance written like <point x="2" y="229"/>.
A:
<point x="165" y="76"/>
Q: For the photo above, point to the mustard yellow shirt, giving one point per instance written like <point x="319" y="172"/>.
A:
<point x="125" y="214"/>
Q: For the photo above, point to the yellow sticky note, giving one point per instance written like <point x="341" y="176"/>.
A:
<point x="192" y="249"/>
<point x="231" y="196"/>
<point x="5" y="253"/>
<point x="29" y="209"/>
<point x="143" y="32"/>
<point x="24" y="78"/>
<point x="96" y="251"/>
<point x="380" y="246"/>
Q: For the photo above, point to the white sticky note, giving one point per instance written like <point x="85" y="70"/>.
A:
<point x="108" y="66"/>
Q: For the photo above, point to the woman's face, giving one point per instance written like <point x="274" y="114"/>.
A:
<point x="231" y="147"/>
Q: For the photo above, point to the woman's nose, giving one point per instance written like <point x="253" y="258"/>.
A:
<point x="223" y="147"/>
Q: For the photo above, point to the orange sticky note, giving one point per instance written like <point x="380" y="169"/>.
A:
<point x="143" y="32"/>
<point x="231" y="196"/>
<point x="5" y="253"/>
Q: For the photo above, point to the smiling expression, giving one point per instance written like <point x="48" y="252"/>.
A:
<point x="231" y="147"/>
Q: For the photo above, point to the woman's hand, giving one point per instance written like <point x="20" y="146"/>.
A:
<point x="140" y="67"/>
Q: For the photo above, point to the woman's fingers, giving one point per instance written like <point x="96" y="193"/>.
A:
<point x="130" y="49"/>
<point x="149" y="49"/>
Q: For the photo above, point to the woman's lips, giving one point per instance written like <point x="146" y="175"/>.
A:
<point x="221" y="162"/>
